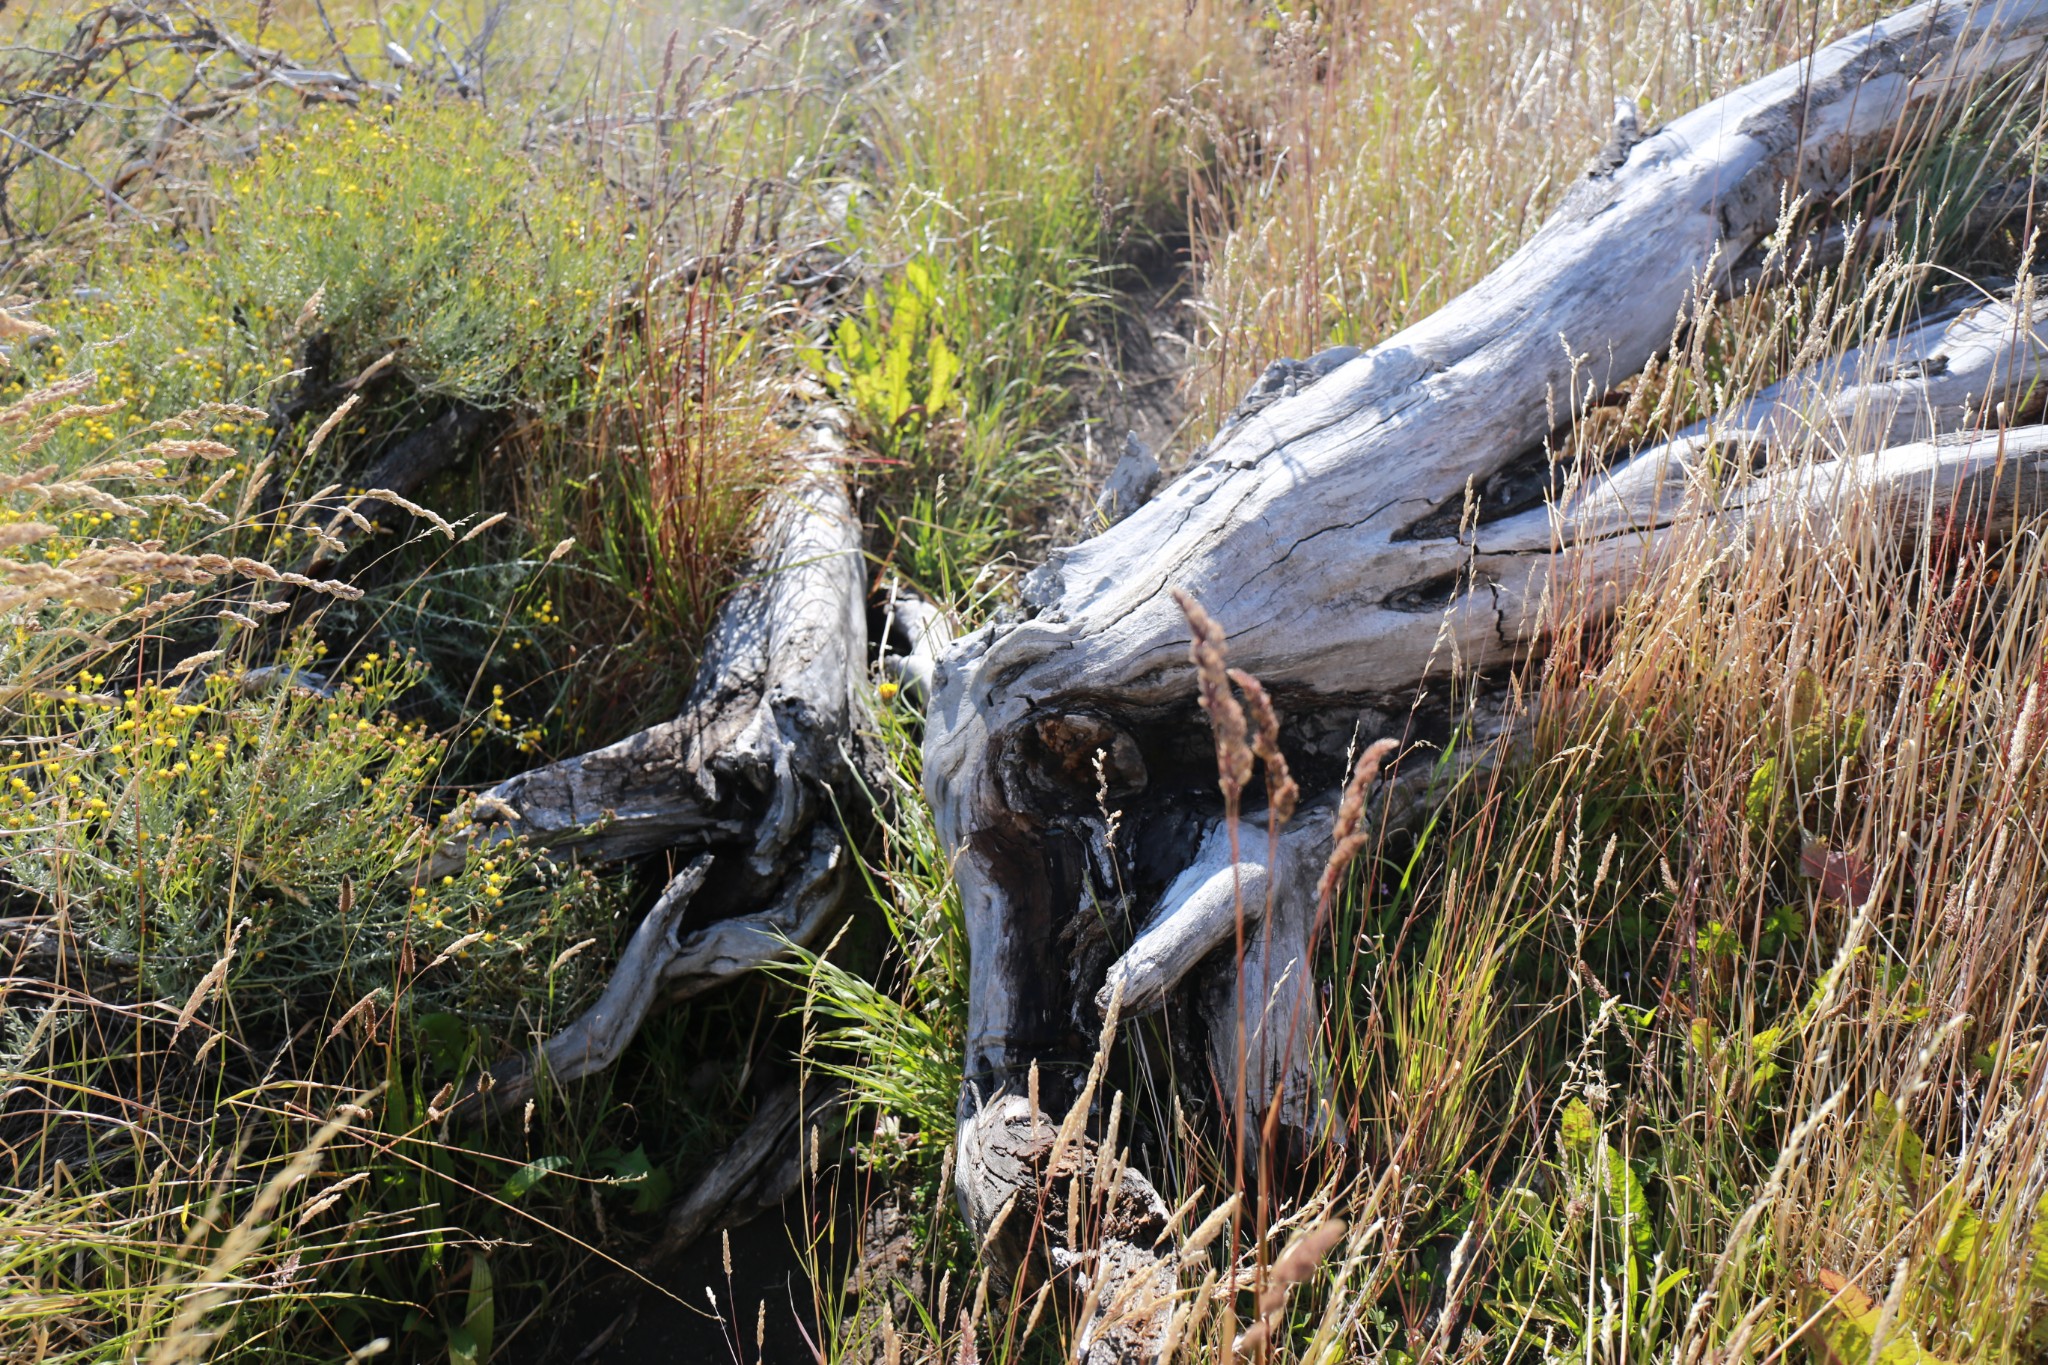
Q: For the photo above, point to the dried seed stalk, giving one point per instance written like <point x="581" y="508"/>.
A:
<point x="1294" y="1266"/>
<point x="1282" y="792"/>
<point x="1348" y="839"/>
<point x="1226" y="716"/>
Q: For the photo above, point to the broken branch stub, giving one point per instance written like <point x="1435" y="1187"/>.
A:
<point x="1324" y="531"/>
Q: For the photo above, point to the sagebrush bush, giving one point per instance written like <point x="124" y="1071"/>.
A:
<point x="420" y="232"/>
<point x="233" y="840"/>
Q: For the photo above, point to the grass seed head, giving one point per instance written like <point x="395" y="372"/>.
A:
<point x="1346" y="836"/>
<point x="1226" y="716"/>
<point x="1281" y="789"/>
<point x="1294" y="1267"/>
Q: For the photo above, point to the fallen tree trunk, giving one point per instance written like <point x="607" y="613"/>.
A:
<point x="1345" y="536"/>
<point x="745" y="781"/>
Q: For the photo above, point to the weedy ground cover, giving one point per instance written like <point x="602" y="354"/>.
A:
<point x="1619" y="1039"/>
<point x="1705" y="1026"/>
<point x="371" y="440"/>
<point x="250" y="663"/>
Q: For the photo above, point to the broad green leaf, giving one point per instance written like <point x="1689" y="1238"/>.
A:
<point x="1669" y="1283"/>
<point x="1576" y="1129"/>
<point x="650" y="1183"/>
<point x="481" y="1316"/>
<point x="1786" y="921"/>
<point x="522" y="1181"/>
<point x="1701" y="1035"/>
<point x="1961" y="1241"/>
<point x="470" y="1342"/>
<point x="1899" y="1139"/>
<point x="945" y="369"/>
<point x="1844" y="1326"/>
<point x="1626" y="1191"/>
<point x="1761" y="804"/>
<point x="1718" y="940"/>
<point x="447" y="1039"/>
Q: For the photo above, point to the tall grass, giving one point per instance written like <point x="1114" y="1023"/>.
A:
<point x="1031" y="160"/>
<point x="1405" y="150"/>
<point x="1707" y="1026"/>
<point x="217" y="935"/>
<point x="1703" y="1025"/>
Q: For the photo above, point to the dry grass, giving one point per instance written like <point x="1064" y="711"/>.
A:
<point x="1404" y="150"/>
<point x="1706" y="1027"/>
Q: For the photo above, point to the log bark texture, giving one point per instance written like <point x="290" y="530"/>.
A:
<point x="747" y="782"/>
<point x="1354" y="537"/>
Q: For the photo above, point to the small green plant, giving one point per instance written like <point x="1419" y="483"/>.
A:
<point x="1978" y="1280"/>
<point x="898" y="1050"/>
<point x="895" y="368"/>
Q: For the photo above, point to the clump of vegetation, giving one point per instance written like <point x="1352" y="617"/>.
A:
<point x="250" y="659"/>
<point x="398" y="416"/>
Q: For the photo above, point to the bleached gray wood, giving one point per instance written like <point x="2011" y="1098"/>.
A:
<point x="777" y="690"/>
<point x="731" y="947"/>
<point x="1262" y="1017"/>
<point x="1930" y="384"/>
<point x="743" y="780"/>
<point x="1940" y="376"/>
<point x="597" y="1037"/>
<point x="1976" y="483"/>
<point x="1201" y="909"/>
<point x="1131" y="480"/>
<point x="1321" y="530"/>
<point x="1198" y="913"/>
<point x="660" y="965"/>
<point x="915" y="633"/>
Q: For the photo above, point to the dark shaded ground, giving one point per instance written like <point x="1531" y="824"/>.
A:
<point x="1145" y="350"/>
<point x="1131" y="379"/>
<point x="765" y="1311"/>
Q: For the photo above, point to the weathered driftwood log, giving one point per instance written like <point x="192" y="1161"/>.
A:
<point x="743" y="781"/>
<point x="768" y="717"/>
<point x="1325" y="532"/>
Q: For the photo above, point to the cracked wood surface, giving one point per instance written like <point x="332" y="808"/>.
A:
<point x="777" y="690"/>
<point x="1309" y="529"/>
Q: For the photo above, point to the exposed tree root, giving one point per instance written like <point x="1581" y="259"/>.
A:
<point x="744" y="782"/>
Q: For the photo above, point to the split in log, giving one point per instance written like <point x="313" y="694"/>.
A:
<point x="1332" y="531"/>
<point x="660" y="964"/>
